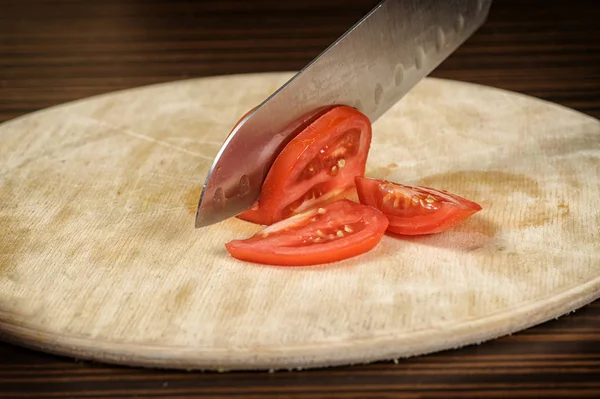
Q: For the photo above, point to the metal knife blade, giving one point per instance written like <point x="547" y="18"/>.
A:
<point x="370" y="67"/>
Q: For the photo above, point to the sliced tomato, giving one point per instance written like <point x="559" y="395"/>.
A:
<point x="316" y="167"/>
<point x="337" y="231"/>
<point x="413" y="210"/>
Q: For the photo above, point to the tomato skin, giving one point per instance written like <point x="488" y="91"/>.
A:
<point x="252" y="215"/>
<point x="414" y="210"/>
<point x="316" y="167"/>
<point x="337" y="231"/>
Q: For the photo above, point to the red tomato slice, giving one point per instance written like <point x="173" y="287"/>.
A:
<point x="413" y="210"/>
<point x="337" y="231"/>
<point x="316" y="167"/>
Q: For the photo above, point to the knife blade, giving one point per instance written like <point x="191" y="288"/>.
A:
<point x="370" y="67"/>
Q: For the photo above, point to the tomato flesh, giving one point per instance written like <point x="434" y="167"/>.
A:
<point x="316" y="167"/>
<point x="337" y="231"/>
<point x="413" y="210"/>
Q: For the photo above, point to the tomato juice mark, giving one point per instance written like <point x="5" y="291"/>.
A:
<point x="191" y="198"/>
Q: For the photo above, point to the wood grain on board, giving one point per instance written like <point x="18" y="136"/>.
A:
<point x="545" y="49"/>
<point x="102" y="260"/>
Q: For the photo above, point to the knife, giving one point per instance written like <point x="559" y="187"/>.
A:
<point x="370" y="67"/>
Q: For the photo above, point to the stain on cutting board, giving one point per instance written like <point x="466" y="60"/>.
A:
<point x="14" y="241"/>
<point x="191" y="198"/>
<point x="17" y="236"/>
<point x="473" y="183"/>
<point x="494" y="189"/>
<point x="176" y="301"/>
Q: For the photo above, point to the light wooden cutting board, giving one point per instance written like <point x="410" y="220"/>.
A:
<point x="99" y="257"/>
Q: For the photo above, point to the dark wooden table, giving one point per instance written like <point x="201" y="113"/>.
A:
<point x="62" y="50"/>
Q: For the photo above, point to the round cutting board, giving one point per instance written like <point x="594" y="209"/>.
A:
<point x="99" y="257"/>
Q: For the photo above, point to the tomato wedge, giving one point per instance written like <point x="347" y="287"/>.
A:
<point x="413" y="210"/>
<point x="337" y="231"/>
<point x="316" y="167"/>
